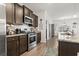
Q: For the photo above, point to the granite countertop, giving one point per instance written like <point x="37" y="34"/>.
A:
<point x="37" y="31"/>
<point x="74" y="39"/>
<point x="15" y="35"/>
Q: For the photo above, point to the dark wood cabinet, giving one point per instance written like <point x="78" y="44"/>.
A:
<point x="38" y="37"/>
<point x="27" y="11"/>
<point x="68" y="48"/>
<point x="16" y="45"/>
<point x="23" y="43"/>
<point x="14" y="13"/>
<point x="31" y="12"/>
<point x="18" y="10"/>
<point x="9" y="13"/>
<point x="12" y="46"/>
<point x="35" y="20"/>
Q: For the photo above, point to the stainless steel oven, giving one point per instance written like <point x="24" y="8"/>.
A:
<point x="32" y="37"/>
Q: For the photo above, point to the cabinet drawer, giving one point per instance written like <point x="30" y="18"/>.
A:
<point x="22" y="37"/>
<point x="12" y="38"/>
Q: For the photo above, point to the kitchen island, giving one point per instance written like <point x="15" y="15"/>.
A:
<point x="68" y="47"/>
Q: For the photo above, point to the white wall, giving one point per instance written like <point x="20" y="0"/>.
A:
<point x="2" y="19"/>
<point x="49" y="21"/>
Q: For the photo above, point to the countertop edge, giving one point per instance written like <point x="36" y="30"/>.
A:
<point x="15" y="35"/>
<point x="69" y="41"/>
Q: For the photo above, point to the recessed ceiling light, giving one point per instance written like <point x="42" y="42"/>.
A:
<point x="68" y="17"/>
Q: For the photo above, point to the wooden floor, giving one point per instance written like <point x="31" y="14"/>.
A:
<point x="52" y="43"/>
<point x="40" y="49"/>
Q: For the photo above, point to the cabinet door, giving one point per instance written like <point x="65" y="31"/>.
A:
<point x="10" y="13"/>
<point x="23" y="44"/>
<point x="31" y="12"/>
<point x="38" y="37"/>
<point x="12" y="46"/>
<point x="18" y="14"/>
<point x="26" y="11"/>
<point x="35" y="20"/>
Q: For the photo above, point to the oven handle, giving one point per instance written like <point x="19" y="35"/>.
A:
<point x="32" y="35"/>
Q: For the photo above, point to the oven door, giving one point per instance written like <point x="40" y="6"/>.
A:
<point x="32" y="39"/>
<point x="31" y="42"/>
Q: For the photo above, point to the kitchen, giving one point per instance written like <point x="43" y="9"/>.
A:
<point x="22" y="33"/>
<point x="42" y="29"/>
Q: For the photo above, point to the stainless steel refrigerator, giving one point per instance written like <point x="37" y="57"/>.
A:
<point x="2" y="30"/>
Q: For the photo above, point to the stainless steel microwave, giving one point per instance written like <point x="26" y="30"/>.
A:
<point x="28" y="20"/>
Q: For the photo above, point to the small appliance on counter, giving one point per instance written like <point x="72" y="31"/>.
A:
<point x="17" y="30"/>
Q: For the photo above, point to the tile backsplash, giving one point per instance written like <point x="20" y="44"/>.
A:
<point x="22" y="27"/>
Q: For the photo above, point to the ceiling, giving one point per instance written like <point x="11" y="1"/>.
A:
<point x="56" y="10"/>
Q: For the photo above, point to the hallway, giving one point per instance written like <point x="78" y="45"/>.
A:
<point x="52" y="47"/>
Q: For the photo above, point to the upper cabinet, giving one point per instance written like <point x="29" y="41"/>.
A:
<point x="35" y="20"/>
<point x="14" y="13"/>
<point x="18" y="14"/>
<point x="27" y="11"/>
<point x="31" y="12"/>
<point x="10" y="13"/>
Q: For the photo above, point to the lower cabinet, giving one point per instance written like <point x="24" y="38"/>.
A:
<point x="16" y="45"/>
<point x="38" y="37"/>
<point x="23" y="44"/>
<point x="12" y="46"/>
